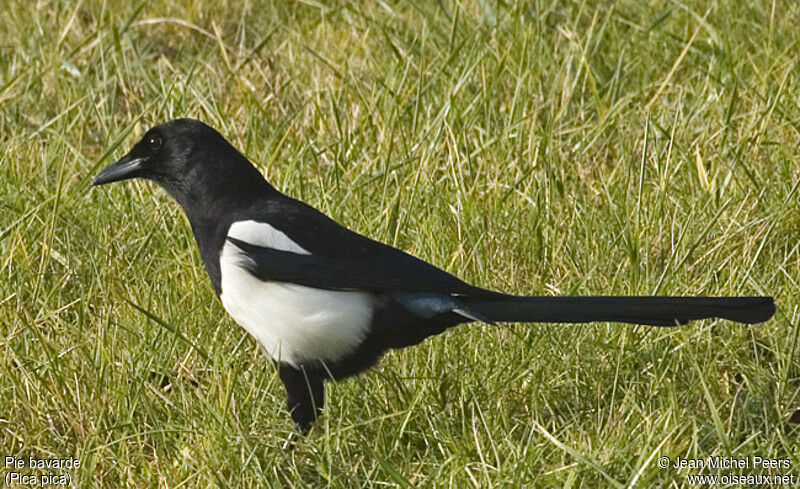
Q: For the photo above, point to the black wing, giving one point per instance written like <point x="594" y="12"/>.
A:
<point x="376" y="273"/>
<point x="341" y="259"/>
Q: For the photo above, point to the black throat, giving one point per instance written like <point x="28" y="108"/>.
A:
<point x="213" y="200"/>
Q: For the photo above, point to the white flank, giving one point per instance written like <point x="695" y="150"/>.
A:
<point x="292" y="322"/>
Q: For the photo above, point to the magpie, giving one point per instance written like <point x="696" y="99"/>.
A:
<point x="325" y="302"/>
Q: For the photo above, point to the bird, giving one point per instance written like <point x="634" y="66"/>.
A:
<point x="324" y="302"/>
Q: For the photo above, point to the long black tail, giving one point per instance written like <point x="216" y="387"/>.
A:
<point x="656" y="311"/>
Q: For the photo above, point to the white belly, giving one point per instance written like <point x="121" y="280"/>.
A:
<point x="293" y="323"/>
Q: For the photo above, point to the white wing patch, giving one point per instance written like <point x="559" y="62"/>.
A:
<point x="262" y="234"/>
<point x="293" y="323"/>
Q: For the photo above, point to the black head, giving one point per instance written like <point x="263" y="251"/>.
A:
<point x="190" y="160"/>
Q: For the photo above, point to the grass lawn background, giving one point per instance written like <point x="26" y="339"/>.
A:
<point x="542" y="147"/>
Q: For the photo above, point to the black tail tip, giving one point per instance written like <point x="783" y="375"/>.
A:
<point x="755" y="310"/>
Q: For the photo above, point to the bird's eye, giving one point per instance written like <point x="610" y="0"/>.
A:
<point x="154" y="143"/>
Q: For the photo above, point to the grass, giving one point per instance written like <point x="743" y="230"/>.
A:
<point x="575" y="147"/>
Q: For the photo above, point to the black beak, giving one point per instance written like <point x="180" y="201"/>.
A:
<point x="123" y="169"/>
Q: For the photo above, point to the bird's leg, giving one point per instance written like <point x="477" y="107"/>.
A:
<point x="305" y="392"/>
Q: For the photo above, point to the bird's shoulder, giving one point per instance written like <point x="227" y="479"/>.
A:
<point x="290" y="225"/>
<point x="315" y="232"/>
